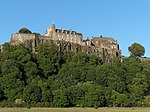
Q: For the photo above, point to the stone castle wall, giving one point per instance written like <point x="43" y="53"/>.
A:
<point x="21" y="37"/>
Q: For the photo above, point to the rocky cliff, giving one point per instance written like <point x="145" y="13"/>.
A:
<point x="68" y="46"/>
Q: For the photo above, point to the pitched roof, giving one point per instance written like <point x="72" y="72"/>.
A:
<point x="103" y="38"/>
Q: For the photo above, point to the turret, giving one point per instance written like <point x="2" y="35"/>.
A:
<point x="50" y="30"/>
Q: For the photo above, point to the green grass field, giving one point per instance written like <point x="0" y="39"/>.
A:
<point x="75" y="110"/>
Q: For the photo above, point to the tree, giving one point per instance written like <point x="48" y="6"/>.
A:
<point x="137" y="49"/>
<point x="94" y="96"/>
<point x="87" y="94"/>
<point x="147" y="101"/>
<point x="1" y="94"/>
<point x="118" y="99"/>
<point x="61" y="98"/>
<point x="32" y="93"/>
<point x="25" y="30"/>
<point x="11" y="80"/>
<point x="138" y="88"/>
<point x="49" y="59"/>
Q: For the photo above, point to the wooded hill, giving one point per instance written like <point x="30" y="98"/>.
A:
<point x="51" y="78"/>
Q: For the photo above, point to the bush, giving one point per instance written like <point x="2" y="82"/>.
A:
<point x="7" y="104"/>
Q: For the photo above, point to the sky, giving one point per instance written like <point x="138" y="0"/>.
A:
<point x="127" y="21"/>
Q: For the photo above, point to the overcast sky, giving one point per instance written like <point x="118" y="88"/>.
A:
<point x="127" y="21"/>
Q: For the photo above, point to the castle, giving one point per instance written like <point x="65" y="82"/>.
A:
<point x="69" y="40"/>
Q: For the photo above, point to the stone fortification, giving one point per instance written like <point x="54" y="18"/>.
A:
<point x="69" y="40"/>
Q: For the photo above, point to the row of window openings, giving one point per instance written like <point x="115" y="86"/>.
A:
<point x="67" y="36"/>
<point x="68" y="40"/>
<point x="97" y="42"/>
<point x="112" y="47"/>
<point x="107" y="42"/>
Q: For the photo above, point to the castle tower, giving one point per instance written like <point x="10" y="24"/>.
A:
<point x="50" y="31"/>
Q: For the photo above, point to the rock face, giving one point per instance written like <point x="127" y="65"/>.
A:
<point x="32" y="41"/>
<point x="90" y="50"/>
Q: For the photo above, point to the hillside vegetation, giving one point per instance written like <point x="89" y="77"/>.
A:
<point x="49" y="78"/>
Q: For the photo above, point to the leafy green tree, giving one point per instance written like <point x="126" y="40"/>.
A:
<point x="94" y="97"/>
<point x="79" y="68"/>
<point x="131" y="66"/>
<point x="63" y="80"/>
<point x="18" y="53"/>
<point x="67" y="57"/>
<point x="90" y="73"/>
<point x="32" y="93"/>
<point x="30" y="71"/>
<point x="61" y="98"/>
<point x="11" y="80"/>
<point x="77" y="94"/>
<point x="146" y="71"/>
<point x="86" y="94"/>
<point x="137" y="49"/>
<point x="25" y="30"/>
<point x="2" y="97"/>
<point x="102" y="72"/>
<point x="138" y="88"/>
<point x="48" y="59"/>
<point x="47" y="95"/>
<point x="119" y="99"/>
<point x="94" y="60"/>
<point x="80" y="59"/>
<point x="147" y="101"/>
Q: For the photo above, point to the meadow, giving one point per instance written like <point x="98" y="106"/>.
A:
<point x="75" y="110"/>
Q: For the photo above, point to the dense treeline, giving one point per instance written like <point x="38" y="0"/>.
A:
<point x="51" y="78"/>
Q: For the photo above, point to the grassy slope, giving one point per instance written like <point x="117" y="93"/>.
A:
<point x="74" y="110"/>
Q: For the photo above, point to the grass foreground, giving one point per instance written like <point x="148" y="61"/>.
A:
<point x="75" y="110"/>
